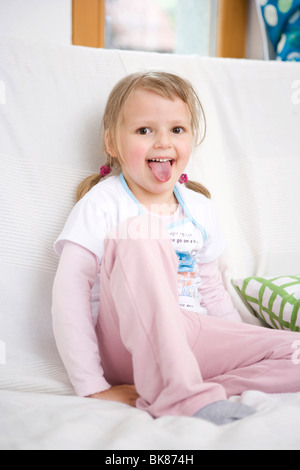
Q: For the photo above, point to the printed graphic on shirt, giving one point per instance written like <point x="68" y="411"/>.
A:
<point x="188" y="242"/>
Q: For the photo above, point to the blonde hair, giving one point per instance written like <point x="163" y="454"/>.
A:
<point x="164" y="84"/>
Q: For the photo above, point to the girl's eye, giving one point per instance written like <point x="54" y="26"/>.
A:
<point x="178" y="130"/>
<point x="144" y="131"/>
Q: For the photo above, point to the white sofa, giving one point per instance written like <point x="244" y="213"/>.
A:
<point x="51" y="102"/>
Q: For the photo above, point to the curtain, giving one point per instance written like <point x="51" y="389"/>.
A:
<point x="282" y="23"/>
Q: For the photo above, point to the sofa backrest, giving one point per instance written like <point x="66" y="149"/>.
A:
<point x="51" y="103"/>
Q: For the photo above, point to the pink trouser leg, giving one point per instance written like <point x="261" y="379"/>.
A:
<point x="180" y="361"/>
<point x="246" y="357"/>
<point x="144" y="336"/>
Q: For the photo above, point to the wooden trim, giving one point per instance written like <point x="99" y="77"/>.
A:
<point x="232" y="28"/>
<point x="88" y="23"/>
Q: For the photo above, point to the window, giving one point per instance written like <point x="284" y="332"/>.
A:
<point x="160" y="25"/>
<point x="203" y="27"/>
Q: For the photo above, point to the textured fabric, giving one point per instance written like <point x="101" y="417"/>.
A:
<point x="51" y="103"/>
<point x="275" y="300"/>
<point x="282" y="20"/>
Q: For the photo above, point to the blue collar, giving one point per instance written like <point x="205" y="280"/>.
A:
<point x="125" y="186"/>
<point x="179" y="198"/>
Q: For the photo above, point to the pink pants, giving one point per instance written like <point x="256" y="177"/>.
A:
<point x="178" y="360"/>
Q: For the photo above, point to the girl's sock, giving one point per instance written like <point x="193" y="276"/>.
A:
<point x="224" y="412"/>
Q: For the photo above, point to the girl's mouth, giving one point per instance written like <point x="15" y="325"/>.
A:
<point x="161" y="168"/>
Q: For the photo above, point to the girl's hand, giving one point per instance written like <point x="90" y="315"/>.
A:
<point x="122" y="393"/>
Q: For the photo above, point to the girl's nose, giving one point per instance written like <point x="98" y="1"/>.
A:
<point x="163" y="140"/>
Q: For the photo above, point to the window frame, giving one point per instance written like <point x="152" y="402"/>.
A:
<point x="89" y="26"/>
<point x="232" y="23"/>
<point x="88" y="23"/>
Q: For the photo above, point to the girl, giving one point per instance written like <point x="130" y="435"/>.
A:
<point x="162" y="334"/>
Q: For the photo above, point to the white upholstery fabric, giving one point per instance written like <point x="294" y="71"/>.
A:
<point x="51" y="103"/>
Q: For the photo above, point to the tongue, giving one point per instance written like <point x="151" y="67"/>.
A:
<point x="161" y="171"/>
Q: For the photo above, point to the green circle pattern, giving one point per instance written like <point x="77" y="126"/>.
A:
<point x="285" y="5"/>
<point x="282" y="21"/>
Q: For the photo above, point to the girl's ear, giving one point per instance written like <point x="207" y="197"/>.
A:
<point x="109" y="145"/>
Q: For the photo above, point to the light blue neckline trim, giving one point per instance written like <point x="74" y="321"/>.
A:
<point x="179" y="199"/>
<point x="188" y="214"/>
<point x="125" y="186"/>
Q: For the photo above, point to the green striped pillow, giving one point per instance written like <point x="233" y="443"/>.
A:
<point x="275" y="300"/>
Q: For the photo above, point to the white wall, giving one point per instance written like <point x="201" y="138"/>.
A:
<point x="37" y="20"/>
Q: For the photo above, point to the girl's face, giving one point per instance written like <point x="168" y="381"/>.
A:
<point x="155" y="143"/>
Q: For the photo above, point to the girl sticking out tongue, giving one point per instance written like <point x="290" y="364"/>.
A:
<point x="161" y="169"/>
<point x="155" y="141"/>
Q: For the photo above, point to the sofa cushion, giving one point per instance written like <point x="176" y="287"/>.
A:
<point x="275" y="300"/>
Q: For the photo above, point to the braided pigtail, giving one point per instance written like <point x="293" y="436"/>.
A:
<point x="194" y="186"/>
